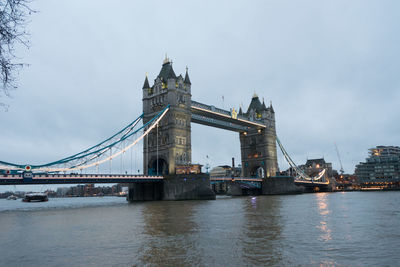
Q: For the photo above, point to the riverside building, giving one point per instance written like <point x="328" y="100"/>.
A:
<point x="225" y="171"/>
<point x="382" y="165"/>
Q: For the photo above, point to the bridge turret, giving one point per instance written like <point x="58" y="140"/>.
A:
<point x="258" y="145"/>
<point x="147" y="91"/>
<point x="174" y="134"/>
<point x="271" y="108"/>
<point x="187" y="82"/>
<point x="146" y="83"/>
<point x="264" y="112"/>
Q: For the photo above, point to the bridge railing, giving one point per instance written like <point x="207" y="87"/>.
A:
<point x="80" y="176"/>
<point x="240" y="179"/>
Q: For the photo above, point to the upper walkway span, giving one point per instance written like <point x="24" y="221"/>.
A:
<point x="219" y="118"/>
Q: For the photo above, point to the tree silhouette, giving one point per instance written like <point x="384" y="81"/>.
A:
<point x="13" y="19"/>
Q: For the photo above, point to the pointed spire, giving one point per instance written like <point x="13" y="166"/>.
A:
<point x="166" y="60"/>
<point x="166" y="72"/>
<point x="146" y="83"/>
<point x="240" y="111"/>
<point x="263" y="105"/>
<point x="270" y="106"/>
<point x="187" y="80"/>
<point x="255" y="105"/>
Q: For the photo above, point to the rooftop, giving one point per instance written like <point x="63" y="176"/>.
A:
<point x="256" y="105"/>
<point x="167" y="72"/>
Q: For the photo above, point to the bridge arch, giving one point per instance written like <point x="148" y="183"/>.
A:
<point x="158" y="166"/>
<point x="257" y="172"/>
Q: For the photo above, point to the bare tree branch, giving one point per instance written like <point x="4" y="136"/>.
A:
<point x="13" y="19"/>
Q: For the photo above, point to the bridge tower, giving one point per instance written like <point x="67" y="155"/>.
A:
<point x="258" y="146"/>
<point x="170" y="144"/>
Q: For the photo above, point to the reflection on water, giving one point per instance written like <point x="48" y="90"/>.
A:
<point x="261" y="231"/>
<point x="167" y="226"/>
<point x="242" y="230"/>
<point x="326" y="229"/>
<point x="322" y="202"/>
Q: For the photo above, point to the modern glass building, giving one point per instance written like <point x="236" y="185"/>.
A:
<point x="382" y="165"/>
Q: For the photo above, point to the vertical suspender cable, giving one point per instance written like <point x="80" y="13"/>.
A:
<point x="131" y="155"/>
<point x="110" y="160"/>
<point x="136" y="158"/>
<point x="122" y="155"/>
<point x="157" y="149"/>
<point x="147" y="155"/>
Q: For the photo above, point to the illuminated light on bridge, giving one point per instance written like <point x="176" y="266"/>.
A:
<point x="300" y="175"/>
<point x="96" y="155"/>
<point x="30" y="178"/>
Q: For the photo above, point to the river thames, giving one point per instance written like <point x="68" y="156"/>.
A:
<point x="324" y="229"/>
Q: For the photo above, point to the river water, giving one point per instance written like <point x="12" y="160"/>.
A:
<point x="324" y="229"/>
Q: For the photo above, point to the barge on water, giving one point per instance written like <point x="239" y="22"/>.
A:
<point x="35" y="197"/>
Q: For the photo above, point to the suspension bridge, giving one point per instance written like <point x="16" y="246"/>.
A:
<point x="69" y="169"/>
<point x="66" y="170"/>
<point x="165" y="133"/>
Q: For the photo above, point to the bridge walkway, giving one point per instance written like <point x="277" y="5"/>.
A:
<point x="31" y="178"/>
<point x="219" y="118"/>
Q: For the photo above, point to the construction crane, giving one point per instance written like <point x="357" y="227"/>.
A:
<point x="340" y="161"/>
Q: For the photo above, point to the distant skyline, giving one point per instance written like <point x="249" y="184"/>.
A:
<point x="330" y="69"/>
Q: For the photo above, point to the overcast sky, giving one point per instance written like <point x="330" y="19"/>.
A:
<point x="330" y="68"/>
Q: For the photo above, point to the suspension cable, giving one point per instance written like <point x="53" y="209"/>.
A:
<point x="99" y="150"/>
<point x="298" y="170"/>
<point x="119" y="152"/>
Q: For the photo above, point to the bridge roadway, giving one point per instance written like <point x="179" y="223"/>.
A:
<point x="219" y="118"/>
<point x="74" y="178"/>
<point x="310" y="183"/>
<point x="313" y="186"/>
<point x="237" y="179"/>
<point x="252" y="182"/>
<point x="20" y="179"/>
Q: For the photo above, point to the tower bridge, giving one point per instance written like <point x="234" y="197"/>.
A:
<point x="170" y="146"/>
<point x="168" y="111"/>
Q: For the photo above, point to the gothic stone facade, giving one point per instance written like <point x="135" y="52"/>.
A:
<point x="174" y="138"/>
<point x="258" y="146"/>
